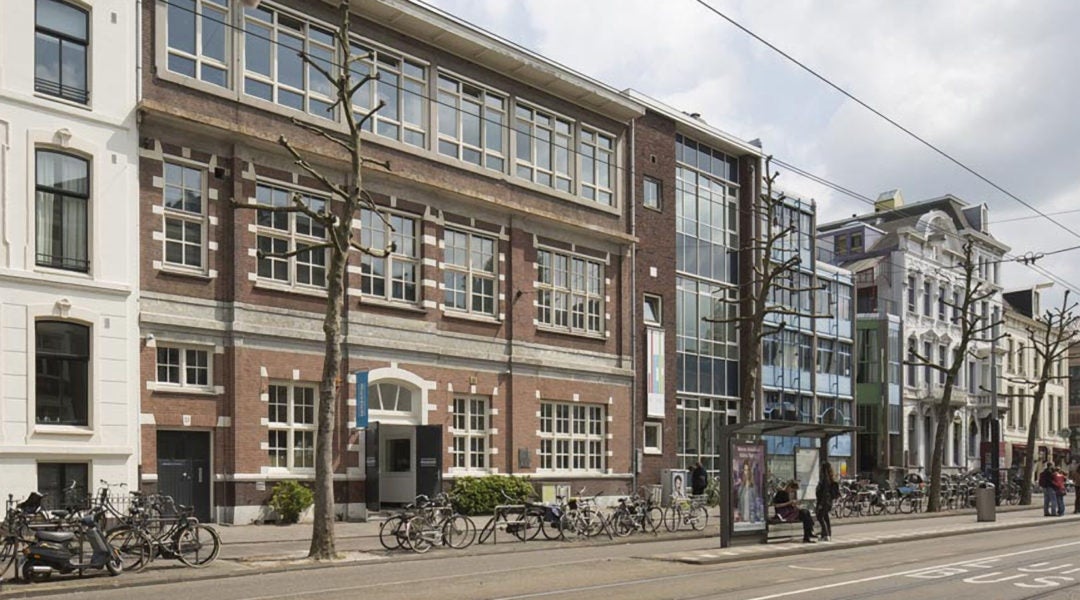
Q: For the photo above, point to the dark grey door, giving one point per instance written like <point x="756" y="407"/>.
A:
<point x="428" y="460"/>
<point x="371" y="467"/>
<point x="184" y="469"/>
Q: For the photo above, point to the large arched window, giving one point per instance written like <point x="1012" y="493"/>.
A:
<point x="60" y="218"/>
<point x="62" y="373"/>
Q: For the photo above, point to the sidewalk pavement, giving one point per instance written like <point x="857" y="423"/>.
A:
<point x="251" y="549"/>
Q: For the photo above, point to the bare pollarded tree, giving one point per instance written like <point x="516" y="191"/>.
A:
<point x="973" y="328"/>
<point x="772" y="274"/>
<point x="347" y="198"/>
<point x="1050" y="338"/>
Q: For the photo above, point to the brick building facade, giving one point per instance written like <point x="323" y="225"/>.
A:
<point x="495" y="338"/>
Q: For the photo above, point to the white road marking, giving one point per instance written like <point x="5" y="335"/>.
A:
<point x="902" y="573"/>
<point x="810" y="568"/>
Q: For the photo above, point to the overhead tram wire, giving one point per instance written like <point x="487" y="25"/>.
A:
<point x="889" y="120"/>
<point x="513" y="131"/>
<point x="1027" y="260"/>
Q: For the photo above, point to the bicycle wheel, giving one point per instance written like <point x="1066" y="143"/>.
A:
<point x="571" y="526"/>
<point x="8" y="549"/>
<point x="197" y="545"/>
<point x="488" y="532"/>
<point x="698" y="517"/>
<point x="905" y="506"/>
<point x="390" y="532"/>
<point x="134" y="548"/>
<point x="415" y="532"/>
<point x="528" y="526"/>
<point x="459" y="532"/>
<point x="654" y="517"/>
<point x="623" y="524"/>
<point x="672" y="517"/>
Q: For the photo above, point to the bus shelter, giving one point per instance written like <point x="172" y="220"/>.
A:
<point x="745" y="473"/>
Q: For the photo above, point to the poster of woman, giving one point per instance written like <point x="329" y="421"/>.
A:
<point x="748" y="481"/>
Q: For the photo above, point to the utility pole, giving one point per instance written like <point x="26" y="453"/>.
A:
<point x="995" y="422"/>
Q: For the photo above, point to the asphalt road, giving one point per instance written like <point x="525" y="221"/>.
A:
<point x="1039" y="562"/>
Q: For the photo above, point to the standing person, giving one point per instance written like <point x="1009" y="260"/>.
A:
<point x="1046" y="483"/>
<point x="828" y="490"/>
<point x="1057" y="482"/>
<point x="1074" y="474"/>
<point x="699" y="479"/>
<point x="787" y="508"/>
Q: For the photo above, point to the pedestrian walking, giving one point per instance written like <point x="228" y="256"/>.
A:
<point x="1045" y="482"/>
<point x="1074" y="474"/>
<point x="1057" y="482"/>
<point x="699" y="479"/>
<point x="828" y="490"/>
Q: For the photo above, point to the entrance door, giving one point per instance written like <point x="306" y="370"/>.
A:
<point x="397" y="476"/>
<point x="184" y="469"/>
<point x="371" y="467"/>
<point x="429" y="460"/>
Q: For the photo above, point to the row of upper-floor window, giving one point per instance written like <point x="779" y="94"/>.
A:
<point x="257" y="52"/>
<point x="795" y="351"/>
<point x="942" y="301"/>
<point x="570" y="288"/>
<point x="1022" y="358"/>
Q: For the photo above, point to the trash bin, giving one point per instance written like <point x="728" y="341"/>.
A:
<point x="985" y="508"/>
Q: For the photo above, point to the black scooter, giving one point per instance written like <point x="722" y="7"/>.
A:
<point x="62" y="551"/>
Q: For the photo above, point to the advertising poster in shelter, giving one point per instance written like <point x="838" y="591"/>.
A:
<point x="748" y="486"/>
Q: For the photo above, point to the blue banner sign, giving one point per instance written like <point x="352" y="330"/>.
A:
<point x="361" y="399"/>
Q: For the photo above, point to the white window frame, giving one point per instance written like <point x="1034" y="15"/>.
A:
<point x="289" y="238"/>
<point x="653" y="203"/>
<point x="413" y="76"/>
<point x="374" y="233"/>
<point x="532" y="129"/>
<point x="218" y="10"/>
<point x="183" y="364"/>
<point x="600" y="144"/>
<point x="572" y="437"/>
<point x="291" y="426"/>
<point x="465" y="433"/>
<point x="659" y="429"/>
<point x="473" y="276"/>
<point x="185" y="217"/>
<point x="453" y="96"/>
<point x="655" y="304"/>
<point x="316" y="93"/>
<point x="557" y="288"/>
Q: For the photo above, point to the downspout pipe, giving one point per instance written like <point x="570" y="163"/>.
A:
<point x="635" y="467"/>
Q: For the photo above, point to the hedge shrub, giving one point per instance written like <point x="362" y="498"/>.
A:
<point x="480" y="495"/>
<point x="289" y="499"/>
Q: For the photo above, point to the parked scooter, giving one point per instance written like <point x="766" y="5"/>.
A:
<point x="62" y="551"/>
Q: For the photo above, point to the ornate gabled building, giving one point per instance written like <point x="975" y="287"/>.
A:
<point x="917" y="248"/>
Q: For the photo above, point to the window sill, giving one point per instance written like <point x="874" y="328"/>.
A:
<point x="182" y="272"/>
<point x="264" y="284"/>
<point x="168" y="388"/>
<point x="581" y="335"/>
<point x="466" y="316"/>
<point x="88" y="107"/>
<point x="73" y="430"/>
<point x="396" y="305"/>
<point x="653" y="451"/>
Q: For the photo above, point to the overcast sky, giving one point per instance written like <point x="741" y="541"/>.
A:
<point x="994" y="83"/>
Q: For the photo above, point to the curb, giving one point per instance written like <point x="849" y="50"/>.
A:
<point x="825" y="547"/>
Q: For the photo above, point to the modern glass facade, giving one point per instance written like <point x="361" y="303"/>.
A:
<point x="706" y="198"/>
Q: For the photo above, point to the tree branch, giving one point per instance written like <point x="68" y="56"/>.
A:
<point x="305" y="165"/>
<point x="291" y="253"/>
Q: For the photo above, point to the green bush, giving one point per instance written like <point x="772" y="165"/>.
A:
<point x="289" y="499"/>
<point x="480" y="495"/>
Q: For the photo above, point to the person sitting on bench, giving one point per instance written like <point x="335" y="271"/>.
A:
<point x="787" y="509"/>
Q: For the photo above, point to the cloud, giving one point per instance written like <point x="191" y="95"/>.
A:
<point x="993" y="84"/>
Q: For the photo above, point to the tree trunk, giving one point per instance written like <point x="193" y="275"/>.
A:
<point x="942" y="429"/>
<point x="322" y="534"/>
<point x="1033" y="429"/>
<point x="747" y="410"/>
